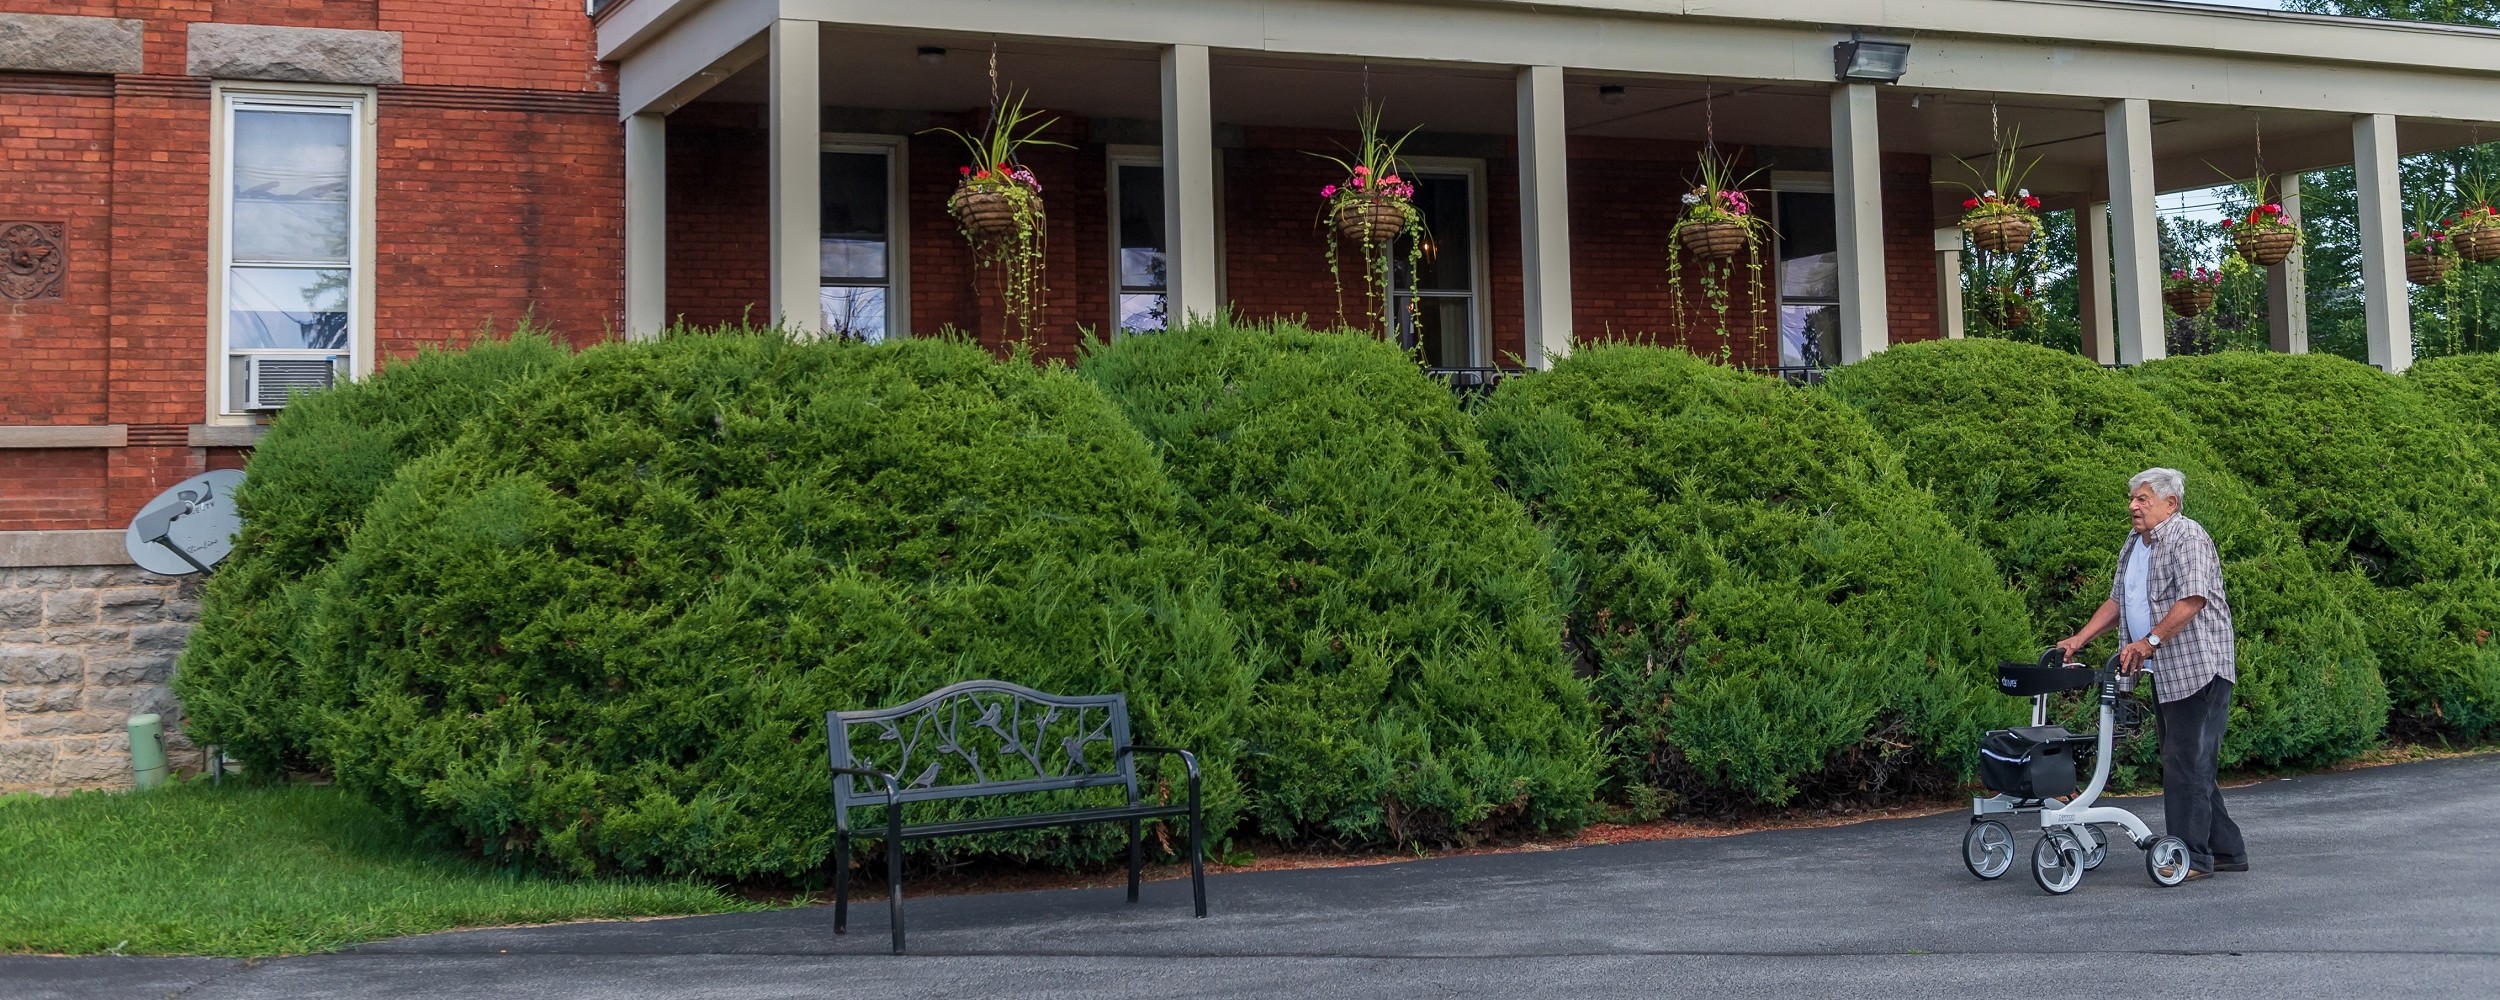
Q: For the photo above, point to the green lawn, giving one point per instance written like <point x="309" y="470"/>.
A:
<point x="248" y="871"/>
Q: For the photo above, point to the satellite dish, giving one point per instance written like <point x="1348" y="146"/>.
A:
<point x="188" y="528"/>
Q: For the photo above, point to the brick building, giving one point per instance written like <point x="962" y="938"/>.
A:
<point x="205" y="203"/>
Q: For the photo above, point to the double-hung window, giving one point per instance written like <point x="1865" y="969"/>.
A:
<point x="293" y="268"/>
<point x="860" y="265"/>
<point x="1438" y="310"/>
<point x="1809" y="273"/>
<point x="1137" y="266"/>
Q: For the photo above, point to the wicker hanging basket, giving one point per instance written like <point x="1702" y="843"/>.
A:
<point x="2188" y="301"/>
<point x="1713" y="240"/>
<point x="988" y="215"/>
<point x="1999" y="233"/>
<point x="2428" y="268"/>
<point x="1376" y="219"/>
<point x="2479" y="245"/>
<point x="2266" y="246"/>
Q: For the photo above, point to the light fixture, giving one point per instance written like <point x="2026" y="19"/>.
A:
<point x="1611" y="93"/>
<point x="932" y="55"/>
<point x="1863" y="61"/>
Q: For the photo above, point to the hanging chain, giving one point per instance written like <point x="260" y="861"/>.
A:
<point x="1995" y="138"/>
<point x="1367" y="83"/>
<point x="2258" y="126"/>
<point x="1709" y="121"/>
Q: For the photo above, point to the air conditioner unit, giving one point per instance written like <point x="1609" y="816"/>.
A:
<point x="268" y="379"/>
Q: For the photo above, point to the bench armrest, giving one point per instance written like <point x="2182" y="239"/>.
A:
<point x="893" y="809"/>
<point x="893" y="785"/>
<point x="1188" y="760"/>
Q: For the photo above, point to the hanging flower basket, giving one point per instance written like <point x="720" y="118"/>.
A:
<point x="2000" y="233"/>
<point x="2190" y="293"/>
<point x="2476" y="234"/>
<point x="2428" y="268"/>
<point x="1713" y="240"/>
<point x="1377" y="219"/>
<point x="2264" y="238"/>
<point x="987" y="214"/>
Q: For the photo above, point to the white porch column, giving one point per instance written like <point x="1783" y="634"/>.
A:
<point x="2287" y="286"/>
<point x="2128" y="124"/>
<point x="1544" y="215"/>
<point x="1189" y="253"/>
<point x="1949" y="283"/>
<point x="1858" y="202"/>
<point x="646" y="225"/>
<point x="794" y="120"/>
<point x="2100" y="342"/>
<point x="2385" y="302"/>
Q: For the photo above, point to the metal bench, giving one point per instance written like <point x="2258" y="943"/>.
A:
<point x="991" y="738"/>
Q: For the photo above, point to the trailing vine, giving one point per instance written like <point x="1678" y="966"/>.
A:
<point x="998" y="205"/>
<point x="1372" y="206"/>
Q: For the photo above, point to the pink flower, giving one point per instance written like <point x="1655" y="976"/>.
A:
<point x="1328" y="192"/>
<point x="964" y="171"/>
<point x="1363" y="170"/>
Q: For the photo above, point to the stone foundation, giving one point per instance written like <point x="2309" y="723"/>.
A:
<point x="82" y="649"/>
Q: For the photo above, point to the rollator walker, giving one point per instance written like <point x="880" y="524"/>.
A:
<point x="2032" y="770"/>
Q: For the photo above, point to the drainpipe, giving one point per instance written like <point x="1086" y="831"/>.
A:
<point x="147" y="750"/>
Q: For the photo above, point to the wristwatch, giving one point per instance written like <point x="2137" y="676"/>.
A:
<point x="2152" y="639"/>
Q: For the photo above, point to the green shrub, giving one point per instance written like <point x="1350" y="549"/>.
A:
<point x="324" y="458"/>
<point x="2029" y="450"/>
<point x="601" y="629"/>
<point x="1771" y="610"/>
<point x="2374" y="474"/>
<point x="2467" y="384"/>
<point x="1399" y="607"/>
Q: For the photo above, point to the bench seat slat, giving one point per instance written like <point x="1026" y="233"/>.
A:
<point x="1035" y="821"/>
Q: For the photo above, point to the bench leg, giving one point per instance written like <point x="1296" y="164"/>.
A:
<point x="1197" y="860"/>
<point x="1136" y="866"/>
<point x="841" y="883"/>
<point x="894" y="884"/>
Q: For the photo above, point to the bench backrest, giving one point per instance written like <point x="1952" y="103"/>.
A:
<point x="980" y="738"/>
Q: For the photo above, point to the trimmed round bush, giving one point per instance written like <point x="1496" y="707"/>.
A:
<point x="325" y="457"/>
<point x="1399" y="609"/>
<point x="2377" y="476"/>
<point x="2467" y="384"/>
<point x="2029" y="450"/>
<point x="1773" y="613"/>
<point x="600" y="630"/>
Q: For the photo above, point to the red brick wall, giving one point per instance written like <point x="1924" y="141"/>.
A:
<point x="498" y="196"/>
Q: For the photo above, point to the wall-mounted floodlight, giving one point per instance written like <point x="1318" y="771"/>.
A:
<point x="1864" y="61"/>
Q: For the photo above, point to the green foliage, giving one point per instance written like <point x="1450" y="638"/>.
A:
<point x="325" y="457"/>
<point x="600" y="630"/>
<point x="1771" y="611"/>
<point x="2029" y="451"/>
<point x="248" y="871"/>
<point x="2373" y="474"/>
<point x="2468" y="385"/>
<point x="1400" y="609"/>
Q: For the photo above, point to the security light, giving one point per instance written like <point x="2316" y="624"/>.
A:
<point x="1611" y="93"/>
<point x="932" y="55"/>
<point x="1866" y="61"/>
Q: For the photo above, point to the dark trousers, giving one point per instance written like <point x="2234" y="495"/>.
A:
<point x="2191" y="798"/>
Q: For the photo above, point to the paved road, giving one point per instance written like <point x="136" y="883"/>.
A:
<point x="2379" y="883"/>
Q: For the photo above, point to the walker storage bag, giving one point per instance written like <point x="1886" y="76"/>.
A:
<point x="2033" y="762"/>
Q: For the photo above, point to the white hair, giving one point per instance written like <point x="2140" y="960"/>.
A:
<point x="2169" y="484"/>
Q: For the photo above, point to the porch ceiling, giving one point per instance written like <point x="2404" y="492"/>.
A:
<point x="884" y="70"/>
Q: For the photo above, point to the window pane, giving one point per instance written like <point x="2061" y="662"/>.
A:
<point x="1141" y="312"/>
<point x="1449" y="263"/>
<point x="1809" y="334"/>
<point x="291" y="184"/>
<point x="287" y="307"/>
<point x="1444" y="328"/>
<point x="1141" y="228"/>
<point x="854" y="311"/>
<point x="1809" y="247"/>
<point x="855" y="216"/>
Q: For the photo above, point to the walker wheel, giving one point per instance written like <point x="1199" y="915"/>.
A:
<point x="2167" y="861"/>
<point x="1988" y="849"/>
<point x="2057" y="863"/>
<point x="2096" y="847"/>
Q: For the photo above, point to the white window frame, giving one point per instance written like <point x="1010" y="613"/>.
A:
<point x="359" y="104"/>
<point x="897" y="152"/>
<point x="1792" y="182"/>
<point x="1114" y="158"/>
<point x="1480" y="278"/>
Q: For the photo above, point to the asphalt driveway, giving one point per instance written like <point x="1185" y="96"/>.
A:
<point x="2375" y="883"/>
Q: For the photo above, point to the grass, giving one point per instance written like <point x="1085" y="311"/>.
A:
<point x="255" y="871"/>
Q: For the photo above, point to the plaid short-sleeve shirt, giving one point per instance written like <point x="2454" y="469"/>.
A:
<point x="2183" y="564"/>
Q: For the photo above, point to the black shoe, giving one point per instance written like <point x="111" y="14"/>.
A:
<point x="2230" y="866"/>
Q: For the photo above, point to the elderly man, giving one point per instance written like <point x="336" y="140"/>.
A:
<point x="2167" y="596"/>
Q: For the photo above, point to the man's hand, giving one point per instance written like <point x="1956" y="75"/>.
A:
<point x="2131" y="656"/>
